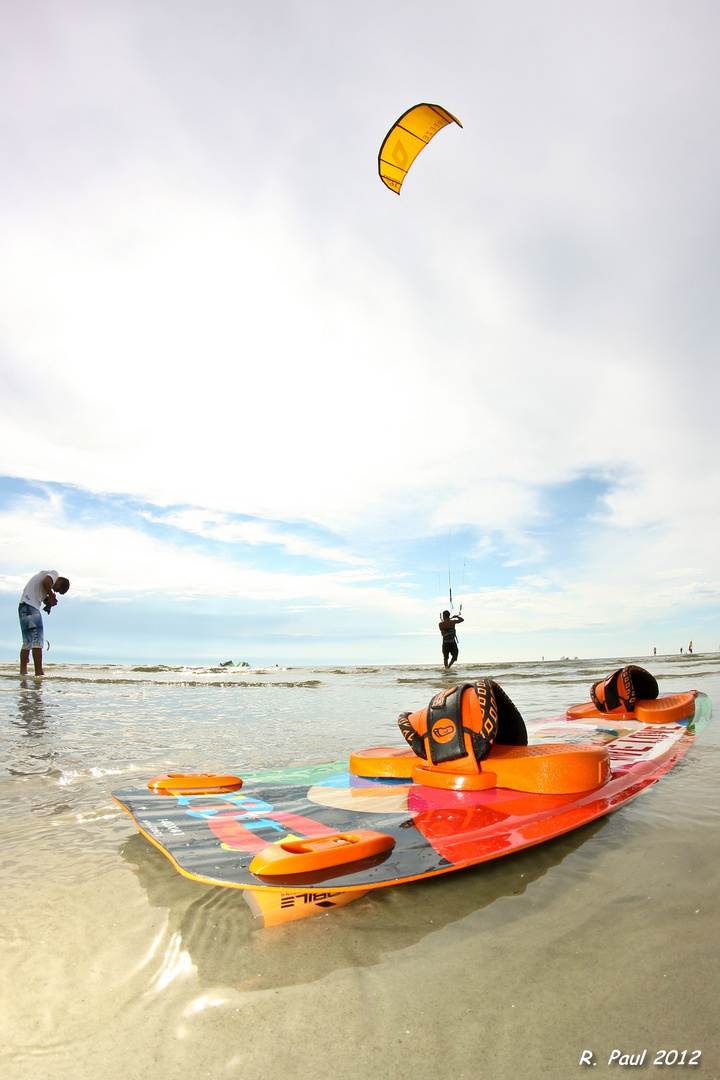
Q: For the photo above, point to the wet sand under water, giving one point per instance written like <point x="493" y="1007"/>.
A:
<point x="602" y="940"/>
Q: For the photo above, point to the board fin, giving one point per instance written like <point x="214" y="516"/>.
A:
<point x="274" y="906"/>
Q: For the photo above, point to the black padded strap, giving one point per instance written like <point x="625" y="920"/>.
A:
<point x="444" y="726"/>
<point x="441" y="734"/>
<point x="623" y="688"/>
<point x="483" y="739"/>
<point x="511" y="726"/>
<point x="410" y="735"/>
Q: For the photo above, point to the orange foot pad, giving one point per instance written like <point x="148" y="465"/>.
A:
<point x="383" y="763"/>
<point x="548" y="769"/>
<point x="666" y="709"/>
<point x="465" y="776"/>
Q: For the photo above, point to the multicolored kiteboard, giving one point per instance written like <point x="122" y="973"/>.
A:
<point x="300" y="841"/>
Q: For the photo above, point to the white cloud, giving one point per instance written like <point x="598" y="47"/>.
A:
<point x="218" y="526"/>
<point x="211" y="303"/>
<point x="111" y="561"/>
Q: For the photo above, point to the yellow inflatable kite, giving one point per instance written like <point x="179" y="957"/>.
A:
<point x="406" y="138"/>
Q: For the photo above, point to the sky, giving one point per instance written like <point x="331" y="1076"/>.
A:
<point x="258" y="407"/>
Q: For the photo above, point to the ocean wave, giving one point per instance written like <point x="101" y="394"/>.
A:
<point x="180" y="679"/>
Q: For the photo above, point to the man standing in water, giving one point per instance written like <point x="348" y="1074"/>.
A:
<point x="449" y="638"/>
<point x="41" y="589"/>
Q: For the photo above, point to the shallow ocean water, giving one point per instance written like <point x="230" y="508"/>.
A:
<point x="113" y="963"/>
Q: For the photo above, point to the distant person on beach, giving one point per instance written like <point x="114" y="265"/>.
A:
<point x="449" y="638"/>
<point x="40" y="591"/>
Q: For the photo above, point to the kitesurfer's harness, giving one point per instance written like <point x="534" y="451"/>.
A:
<point x="481" y="710"/>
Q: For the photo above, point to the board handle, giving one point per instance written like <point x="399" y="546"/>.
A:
<point x="302" y="856"/>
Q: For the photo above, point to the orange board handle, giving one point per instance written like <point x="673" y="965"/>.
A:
<point x="194" y="784"/>
<point x="319" y="843"/>
<point x="304" y="855"/>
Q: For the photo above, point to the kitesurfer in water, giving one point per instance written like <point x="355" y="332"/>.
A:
<point x="41" y="590"/>
<point x="449" y="638"/>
